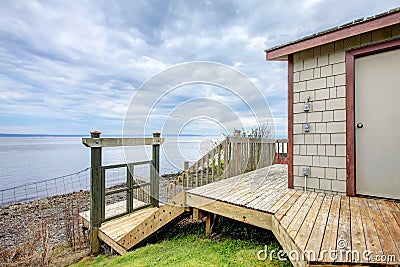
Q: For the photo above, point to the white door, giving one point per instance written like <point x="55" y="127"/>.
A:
<point x="377" y="118"/>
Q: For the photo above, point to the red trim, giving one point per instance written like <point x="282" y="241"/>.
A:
<point x="336" y="35"/>
<point x="350" y="107"/>
<point x="290" y="122"/>
<point x="350" y="149"/>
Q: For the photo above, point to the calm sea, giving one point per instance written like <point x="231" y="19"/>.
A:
<point x="30" y="159"/>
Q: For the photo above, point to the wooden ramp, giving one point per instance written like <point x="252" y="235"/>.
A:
<point x="123" y="233"/>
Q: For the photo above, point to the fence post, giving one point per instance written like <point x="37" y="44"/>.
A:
<point x="129" y="184"/>
<point x="155" y="183"/>
<point x="185" y="174"/>
<point x="96" y="197"/>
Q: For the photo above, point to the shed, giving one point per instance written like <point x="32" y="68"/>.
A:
<point x="346" y="139"/>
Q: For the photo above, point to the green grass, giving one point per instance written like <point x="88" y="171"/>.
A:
<point x="189" y="247"/>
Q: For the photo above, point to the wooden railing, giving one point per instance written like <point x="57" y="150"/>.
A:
<point x="231" y="157"/>
<point x="134" y="188"/>
<point x="98" y="176"/>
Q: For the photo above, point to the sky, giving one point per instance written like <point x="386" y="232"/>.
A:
<point x="70" y="67"/>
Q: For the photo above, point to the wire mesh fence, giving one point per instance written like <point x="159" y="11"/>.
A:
<point x="74" y="182"/>
<point x="39" y="216"/>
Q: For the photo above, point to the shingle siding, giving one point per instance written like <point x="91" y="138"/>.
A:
<point x="320" y="74"/>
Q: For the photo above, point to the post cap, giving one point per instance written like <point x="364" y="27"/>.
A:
<point x="95" y="134"/>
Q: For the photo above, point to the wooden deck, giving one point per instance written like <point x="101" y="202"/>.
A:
<point x="320" y="228"/>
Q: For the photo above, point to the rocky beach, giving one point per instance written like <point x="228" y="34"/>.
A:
<point x="48" y="223"/>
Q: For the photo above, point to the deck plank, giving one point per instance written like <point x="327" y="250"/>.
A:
<point x="358" y="243"/>
<point x="270" y="183"/>
<point x="344" y="234"/>
<point x="260" y="187"/>
<point x="331" y="229"/>
<point x="279" y="194"/>
<point x="371" y="236"/>
<point x="289" y="216"/>
<point x="262" y="191"/>
<point x="209" y="187"/>
<point x="228" y="189"/>
<point x="270" y="196"/>
<point x="118" y="227"/>
<point x="391" y="224"/>
<point x="299" y="218"/>
<point x="251" y="191"/>
<point x="251" y="202"/>
<point x="395" y="210"/>
<point x="305" y="230"/>
<point x="236" y="192"/>
<point x="388" y="245"/>
<point x="288" y="204"/>
<point x="111" y="210"/>
<point x="225" y="185"/>
<point x="275" y="207"/>
<point x="317" y="234"/>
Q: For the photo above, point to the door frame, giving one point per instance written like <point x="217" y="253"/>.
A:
<point x="351" y="55"/>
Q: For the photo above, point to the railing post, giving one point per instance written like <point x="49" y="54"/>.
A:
<point x="129" y="184"/>
<point x="279" y="152"/>
<point x="155" y="173"/>
<point x="186" y="174"/>
<point x="96" y="197"/>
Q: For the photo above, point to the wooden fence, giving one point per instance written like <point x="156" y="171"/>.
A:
<point x="231" y="157"/>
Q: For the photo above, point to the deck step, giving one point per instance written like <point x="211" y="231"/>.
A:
<point x="124" y="233"/>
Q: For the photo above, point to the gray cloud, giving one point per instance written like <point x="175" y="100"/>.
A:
<point x="81" y="63"/>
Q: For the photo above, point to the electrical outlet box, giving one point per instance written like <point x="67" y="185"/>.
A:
<point x="306" y="171"/>
<point x="307" y="106"/>
<point x="306" y="127"/>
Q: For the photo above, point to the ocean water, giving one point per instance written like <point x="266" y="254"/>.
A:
<point x="31" y="159"/>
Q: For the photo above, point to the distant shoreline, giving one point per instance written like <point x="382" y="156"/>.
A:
<point x="40" y="135"/>
<point x="82" y="135"/>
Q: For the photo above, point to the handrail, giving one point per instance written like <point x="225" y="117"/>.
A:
<point x="135" y="189"/>
<point x="121" y="165"/>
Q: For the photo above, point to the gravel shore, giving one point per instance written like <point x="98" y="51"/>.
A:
<point x="57" y="216"/>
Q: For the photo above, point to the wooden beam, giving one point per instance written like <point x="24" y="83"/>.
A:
<point x="350" y="133"/>
<point x="246" y="215"/>
<point x="155" y="172"/>
<point x="198" y="214"/>
<point x="109" y="241"/>
<point x="209" y="218"/>
<point x="335" y="35"/>
<point x="113" y="142"/>
<point x="96" y="197"/>
<point x="240" y="140"/>
<point x="290" y="123"/>
<point x="287" y="243"/>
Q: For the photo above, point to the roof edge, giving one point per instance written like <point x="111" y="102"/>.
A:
<point x="350" y="29"/>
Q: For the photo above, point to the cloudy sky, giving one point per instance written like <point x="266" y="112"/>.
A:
<point x="75" y="66"/>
